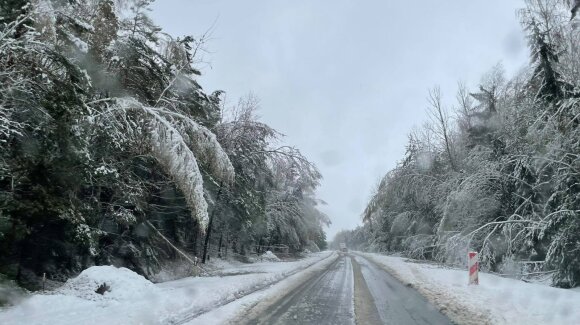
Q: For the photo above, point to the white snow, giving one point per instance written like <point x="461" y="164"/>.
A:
<point x="124" y="284"/>
<point x="269" y="256"/>
<point x="496" y="300"/>
<point x="79" y="43"/>
<point x="244" y="288"/>
<point x="135" y="300"/>
<point x="177" y="141"/>
<point x="253" y="304"/>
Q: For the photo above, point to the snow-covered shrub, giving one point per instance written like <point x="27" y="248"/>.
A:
<point x="469" y="206"/>
<point x="10" y="293"/>
<point x="270" y="257"/>
<point x="311" y="246"/>
<point x="419" y="246"/>
<point x="176" y="270"/>
<point x="452" y="248"/>
<point x="510" y="267"/>
<point x="401" y="223"/>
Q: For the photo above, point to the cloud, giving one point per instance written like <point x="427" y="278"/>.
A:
<point x="330" y="158"/>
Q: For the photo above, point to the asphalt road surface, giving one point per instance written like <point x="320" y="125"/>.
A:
<point x="352" y="290"/>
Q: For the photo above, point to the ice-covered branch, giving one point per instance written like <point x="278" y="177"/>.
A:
<point x="178" y="142"/>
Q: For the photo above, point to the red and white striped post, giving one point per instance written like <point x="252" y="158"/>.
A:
<point x="473" y="265"/>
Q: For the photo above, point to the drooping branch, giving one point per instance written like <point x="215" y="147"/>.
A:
<point x="176" y="142"/>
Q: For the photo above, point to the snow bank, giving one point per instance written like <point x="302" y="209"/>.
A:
<point x="134" y="300"/>
<point x="10" y="293"/>
<point x="270" y="257"/>
<point x="496" y="300"/>
<point x="123" y="284"/>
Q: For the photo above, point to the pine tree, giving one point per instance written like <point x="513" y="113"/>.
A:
<point x="545" y="59"/>
<point x="11" y="9"/>
<point x="105" y="28"/>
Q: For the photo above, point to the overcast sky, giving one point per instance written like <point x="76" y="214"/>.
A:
<point x="346" y="80"/>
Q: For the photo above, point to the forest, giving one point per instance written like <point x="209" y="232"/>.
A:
<point x="497" y="171"/>
<point x="111" y="152"/>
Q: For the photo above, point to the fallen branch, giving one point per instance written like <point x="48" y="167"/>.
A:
<point x="174" y="247"/>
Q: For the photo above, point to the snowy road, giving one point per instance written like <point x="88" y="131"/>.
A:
<point x="323" y="288"/>
<point x="351" y="290"/>
<point x="395" y="302"/>
<point x="325" y="299"/>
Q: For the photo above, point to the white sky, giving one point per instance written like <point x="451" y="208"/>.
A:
<point x="346" y="80"/>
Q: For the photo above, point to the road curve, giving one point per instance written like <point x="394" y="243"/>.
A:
<point x="352" y="290"/>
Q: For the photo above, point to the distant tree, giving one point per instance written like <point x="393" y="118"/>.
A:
<point x="441" y="124"/>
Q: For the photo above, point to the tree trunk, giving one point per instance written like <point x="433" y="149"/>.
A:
<point x="208" y="233"/>
<point x="220" y="245"/>
<point x="194" y="241"/>
<point x="226" y="246"/>
<point x="207" y="236"/>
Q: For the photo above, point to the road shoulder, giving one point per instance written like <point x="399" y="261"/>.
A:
<point x="456" y="310"/>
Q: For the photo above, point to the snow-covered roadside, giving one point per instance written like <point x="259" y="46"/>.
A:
<point x="134" y="300"/>
<point x="496" y="300"/>
<point x="246" y="279"/>
<point x="250" y="306"/>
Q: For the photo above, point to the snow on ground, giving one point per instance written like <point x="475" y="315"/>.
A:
<point x="269" y="256"/>
<point x="496" y="300"/>
<point x="125" y="284"/>
<point x="134" y="300"/>
<point x="249" y="306"/>
<point x="231" y="267"/>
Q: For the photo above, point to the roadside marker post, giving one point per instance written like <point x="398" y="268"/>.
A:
<point x="473" y="266"/>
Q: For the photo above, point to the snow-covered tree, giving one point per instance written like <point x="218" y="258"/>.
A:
<point x="113" y="153"/>
<point x="513" y="192"/>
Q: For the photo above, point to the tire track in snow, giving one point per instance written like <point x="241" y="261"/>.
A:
<point x="192" y="314"/>
<point x="326" y="297"/>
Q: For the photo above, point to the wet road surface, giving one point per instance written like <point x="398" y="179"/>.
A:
<point x="395" y="302"/>
<point x="324" y="299"/>
<point x="352" y="290"/>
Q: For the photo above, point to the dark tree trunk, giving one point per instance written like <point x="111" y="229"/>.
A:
<point x="194" y="242"/>
<point x="226" y="246"/>
<point x="208" y="233"/>
<point x="220" y="244"/>
<point x="207" y="236"/>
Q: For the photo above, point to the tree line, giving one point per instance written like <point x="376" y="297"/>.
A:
<point x="498" y="172"/>
<point x="112" y="153"/>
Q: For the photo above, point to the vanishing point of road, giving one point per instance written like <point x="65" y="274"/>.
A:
<point x="352" y="290"/>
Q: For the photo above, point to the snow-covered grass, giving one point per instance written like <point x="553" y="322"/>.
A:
<point x="134" y="300"/>
<point x="496" y="300"/>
